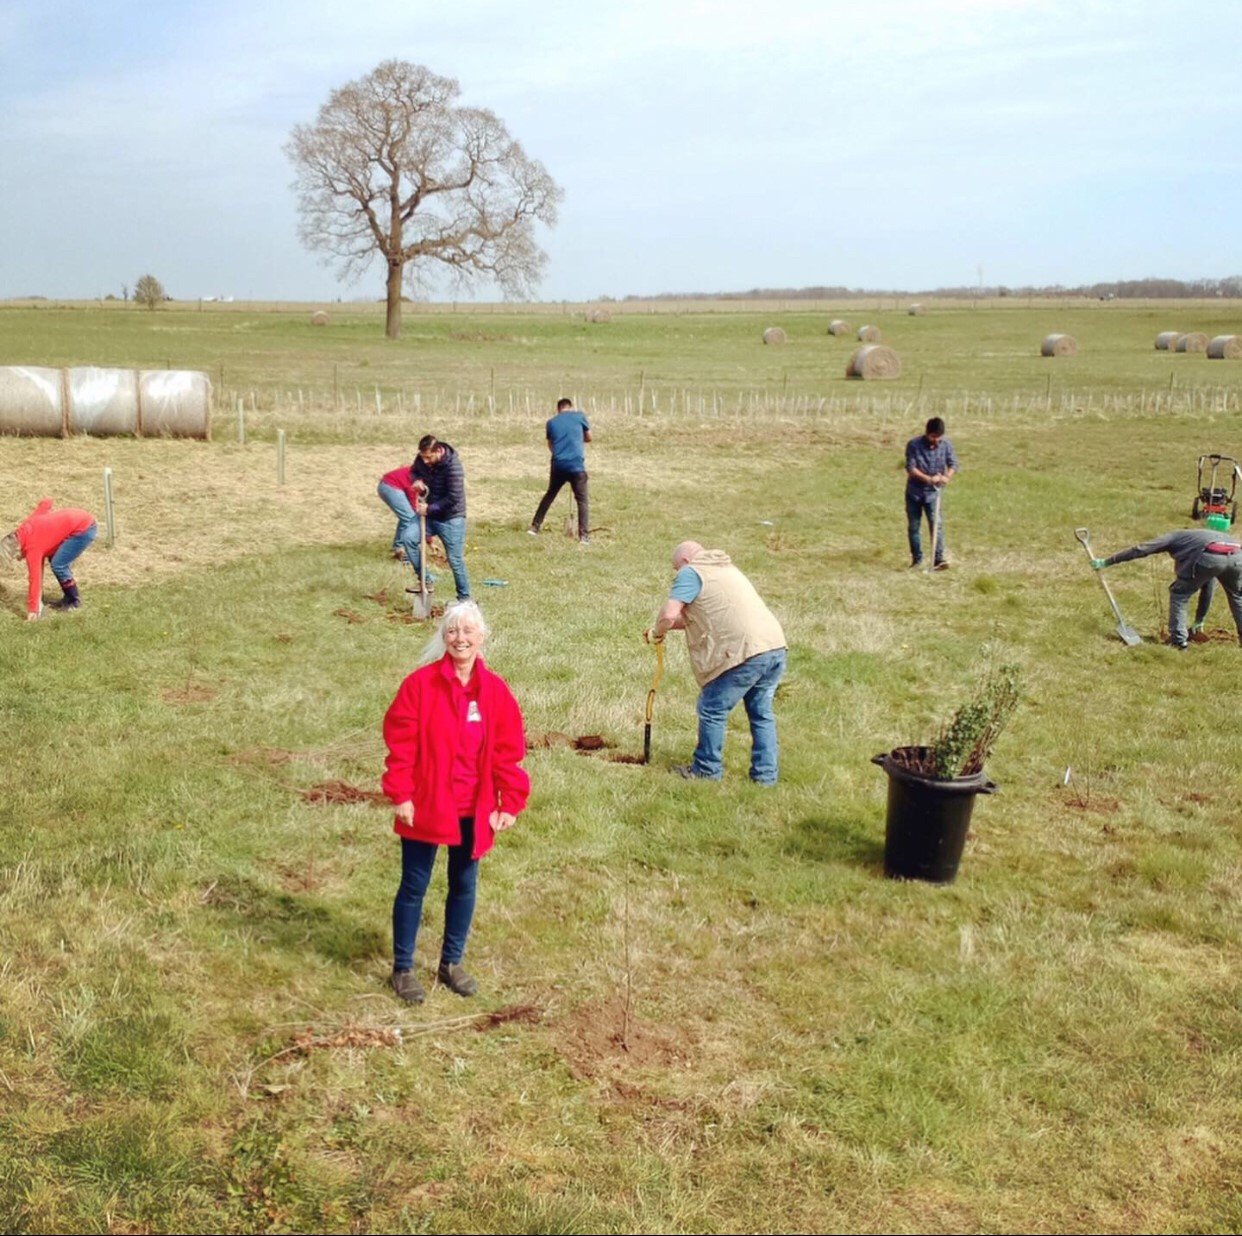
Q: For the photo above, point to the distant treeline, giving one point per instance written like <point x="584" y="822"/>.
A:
<point x="1136" y="289"/>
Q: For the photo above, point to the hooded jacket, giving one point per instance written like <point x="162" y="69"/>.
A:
<point x="40" y="535"/>
<point x="421" y="732"/>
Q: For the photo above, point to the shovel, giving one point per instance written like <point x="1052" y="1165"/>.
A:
<point x="1127" y="633"/>
<point x="935" y="533"/>
<point x="655" y="682"/>
<point x="422" y="598"/>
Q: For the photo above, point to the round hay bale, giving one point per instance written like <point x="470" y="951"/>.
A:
<point x="31" y="401"/>
<point x="915" y="310"/>
<point x="176" y="403"/>
<point x="872" y="362"/>
<point x="838" y="327"/>
<point x="103" y="402"/>
<point x="319" y="318"/>
<point x="599" y="316"/>
<point x="774" y="334"/>
<point x="868" y="334"/>
<point x="1225" y="347"/>
<point x="1194" y="341"/>
<point x="1166" y="340"/>
<point x="1059" y="345"/>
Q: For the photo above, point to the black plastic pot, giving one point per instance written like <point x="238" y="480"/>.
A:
<point x="928" y="819"/>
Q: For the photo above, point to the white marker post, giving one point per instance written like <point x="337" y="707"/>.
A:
<point x="280" y="457"/>
<point x="109" y="513"/>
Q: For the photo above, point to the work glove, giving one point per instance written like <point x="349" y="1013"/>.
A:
<point x="1098" y="563"/>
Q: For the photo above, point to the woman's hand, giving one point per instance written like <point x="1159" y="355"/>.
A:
<point x="500" y="820"/>
<point x="405" y="813"/>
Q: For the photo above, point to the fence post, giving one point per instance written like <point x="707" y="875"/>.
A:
<point x="109" y="513"/>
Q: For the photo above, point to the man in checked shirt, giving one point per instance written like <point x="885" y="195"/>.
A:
<point x="930" y="464"/>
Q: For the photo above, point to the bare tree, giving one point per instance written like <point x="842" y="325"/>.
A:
<point x="393" y="168"/>
<point x="149" y="291"/>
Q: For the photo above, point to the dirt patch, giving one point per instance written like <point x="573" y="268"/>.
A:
<point x="351" y="616"/>
<point x="592" y="742"/>
<point x="552" y="738"/>
<point x="511" y="1014"/>
<point x="584" y="744"/>
<point x="606" y="1037"/>
<point x="334" y="791"/>
<point x="1217" y="635"/>
<point x="191" y="693"/>
<point x="619" y="757"/>
<point x="1090" y="802"/>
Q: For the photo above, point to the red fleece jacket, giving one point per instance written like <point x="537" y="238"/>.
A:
<point x="421" y="731"/>
<point x="41" y="534"/>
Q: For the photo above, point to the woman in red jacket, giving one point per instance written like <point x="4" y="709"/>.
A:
<point x="454" y="772"/>
<point x="47" y="534"/>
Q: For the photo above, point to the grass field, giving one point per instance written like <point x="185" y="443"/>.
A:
<point x="702" y="1007"/>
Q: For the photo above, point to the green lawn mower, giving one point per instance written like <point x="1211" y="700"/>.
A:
<point x="1213" y="497"/>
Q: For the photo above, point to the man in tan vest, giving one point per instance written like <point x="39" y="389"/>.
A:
<point x="737" y="651"/>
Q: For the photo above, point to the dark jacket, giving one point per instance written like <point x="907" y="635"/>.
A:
<point x="446" y="485"/>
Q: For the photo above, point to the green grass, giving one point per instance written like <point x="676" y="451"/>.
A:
<point x="720" y="1016"/>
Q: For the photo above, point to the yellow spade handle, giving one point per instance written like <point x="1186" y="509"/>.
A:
<point x="655" y="682"/>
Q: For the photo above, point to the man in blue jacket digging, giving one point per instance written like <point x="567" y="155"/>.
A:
<point x="444" y="505"/>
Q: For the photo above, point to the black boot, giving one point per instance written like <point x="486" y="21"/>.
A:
<point x="70" y="600"/>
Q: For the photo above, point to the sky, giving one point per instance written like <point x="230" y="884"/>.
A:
<point x="701" y="146"/>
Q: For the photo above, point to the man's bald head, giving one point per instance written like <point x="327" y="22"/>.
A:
<point x="687" y="551"/>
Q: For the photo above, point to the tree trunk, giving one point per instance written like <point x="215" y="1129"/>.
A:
<point x="392" y="325"/>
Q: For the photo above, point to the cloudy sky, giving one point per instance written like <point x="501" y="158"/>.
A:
<point x="701" y="145"/>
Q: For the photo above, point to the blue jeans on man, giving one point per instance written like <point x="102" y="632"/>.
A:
<point x="417" y="860"/>
<point x="452" y="534"/>
<point x="753" y="683"/>
<point x="919" y="505"/>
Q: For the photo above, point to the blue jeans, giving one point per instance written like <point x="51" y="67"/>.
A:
<point x="1227" y="568"/>
<point x="452" y="534"/>
<point x="417" y="860"/>
<point x="916" y="507"/>
<point x="68" y="550"/>
<point x="407" y="518"/>
<point x="754" y="684"/>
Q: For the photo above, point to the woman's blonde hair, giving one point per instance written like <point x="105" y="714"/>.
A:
<point x="456" y="614"/>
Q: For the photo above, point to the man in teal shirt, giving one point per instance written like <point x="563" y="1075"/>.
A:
<point x="567" y="432"/>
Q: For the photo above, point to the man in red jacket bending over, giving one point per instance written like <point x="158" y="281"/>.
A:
<point x="56" y="535"/>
